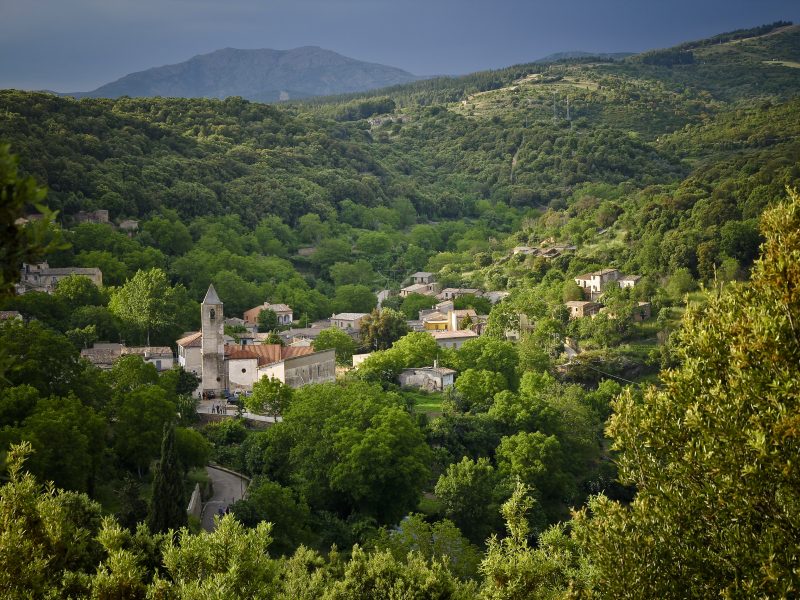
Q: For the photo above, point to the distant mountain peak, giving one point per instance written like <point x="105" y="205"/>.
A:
<point x="263" y="75"/>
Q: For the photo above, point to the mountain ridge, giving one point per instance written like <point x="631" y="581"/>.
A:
<point x="263" y="75"/>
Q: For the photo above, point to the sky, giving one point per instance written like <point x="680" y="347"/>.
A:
<point x="78" y="45"/>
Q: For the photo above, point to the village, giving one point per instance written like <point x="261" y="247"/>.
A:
<point x="229" y="354"/>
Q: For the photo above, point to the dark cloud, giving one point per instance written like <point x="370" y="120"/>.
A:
<point x="77" y="45"/>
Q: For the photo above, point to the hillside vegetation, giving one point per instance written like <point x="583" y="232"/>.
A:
<point x="613" y="456"/>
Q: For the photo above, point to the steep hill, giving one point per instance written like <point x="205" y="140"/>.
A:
<point x="261" y="75"/>
<point x="485" y="155"/>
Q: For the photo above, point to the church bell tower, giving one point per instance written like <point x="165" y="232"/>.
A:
<point x="213" y="348"/>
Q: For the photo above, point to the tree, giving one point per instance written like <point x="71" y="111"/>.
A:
<point x="68" y="439"/>
<point x="178" y="381"/>
<point x="713" y="450"/>
<point x="354" y="298"/>
<point x="82" y="337"/>
<point x="481" y="305"/>
<point x="42" y="358"/>
<point x="139" y="418"/>
<point x="270" y="397"/>
<point x="512" y="569"/>
<point x="130" y="372"/>
<point x="267" y="320"/>
<point x="26" y="242"/>
<point x="358" y="272"/>
<point x="144" y="301"/>
<point x="47" y="538"/>
<point x="490" y="355"/>
<point x="382" y="328"/>
<point x="354" y="448"/>
<point x="278" y="505"/>
<point x="232" y="561"/>
<point x="467" y="493"/>
<point x="76" y="291"/>
<point x="340" y="341"/>
<point x="477" y="388"/>
<point x="536" y="460"/>
<point x="438" y="541"/>
<point x="191" y="448"/>
<point x="413" y="303"/>
<point x="133" y="508"/>
<point x="168" y="504"/>
<point x="169" y="235"/>
<point x="680" y="283"/>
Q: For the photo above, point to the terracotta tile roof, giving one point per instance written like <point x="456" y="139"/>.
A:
<point x="147" y="351"/>
<point x="194" y="340"/>
<point x="266" y="353"/>
<point x="279" y="308"/>
<point x="446" y="335"/>
<point x="434" y="316"/>
<point x="417" y="288"/>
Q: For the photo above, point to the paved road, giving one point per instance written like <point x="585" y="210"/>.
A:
<point x="211" y="406"/>
<point x="228" y="488"/>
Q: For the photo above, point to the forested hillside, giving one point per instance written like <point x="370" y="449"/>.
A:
<point x="644" y="453"/>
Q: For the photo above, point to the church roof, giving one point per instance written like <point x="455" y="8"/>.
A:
<point x="266" y="353"/>
<point x="211" y="296"/>
<point x="194" y="340"/>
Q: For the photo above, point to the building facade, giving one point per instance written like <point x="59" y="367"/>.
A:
<point x="41" y="277"/>
<point x="430" y="379"/>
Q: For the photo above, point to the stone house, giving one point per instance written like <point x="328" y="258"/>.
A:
<point x="160" y="357"/>
<point x="282" y="311"/>
<point x="593" y="283"/>
<point x="348" y="321"/>
<point x="453" y="339"/>
<point x="103" y="355"/>
<point x="430" y="379"/>
<point x="43" y="278"/>
<point x="423" y="277"/>
<point x="425" y="289"/>
<point x="457" y="317"/>
<point x="582" y="308"/>
<point x="629" y="281"/>
<point x="496" y="296"/>
<point x="435" y="321"/>
<point x="453" y="293"/>
<point x="130" y="226"/>
<point x="92" y="216"/>
<point x="302" y="367"/>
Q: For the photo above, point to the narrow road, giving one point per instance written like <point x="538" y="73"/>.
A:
<point x="228" y="488"/>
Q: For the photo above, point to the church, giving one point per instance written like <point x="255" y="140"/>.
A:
<point x="229" y="367"/>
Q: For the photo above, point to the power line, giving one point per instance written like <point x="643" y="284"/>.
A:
<point x="610" y="375"/>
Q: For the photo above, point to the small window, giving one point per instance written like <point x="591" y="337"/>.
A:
<point x="244" y="370"/>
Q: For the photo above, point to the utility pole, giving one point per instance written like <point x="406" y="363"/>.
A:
<point x="555" y="114"/>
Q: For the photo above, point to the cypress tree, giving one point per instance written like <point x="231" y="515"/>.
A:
<point x="168" y="504"/>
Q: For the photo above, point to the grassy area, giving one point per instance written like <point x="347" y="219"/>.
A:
<point x="427" y="403"/>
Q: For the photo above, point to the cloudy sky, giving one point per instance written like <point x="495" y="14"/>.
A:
<point x="78" y="45"/>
